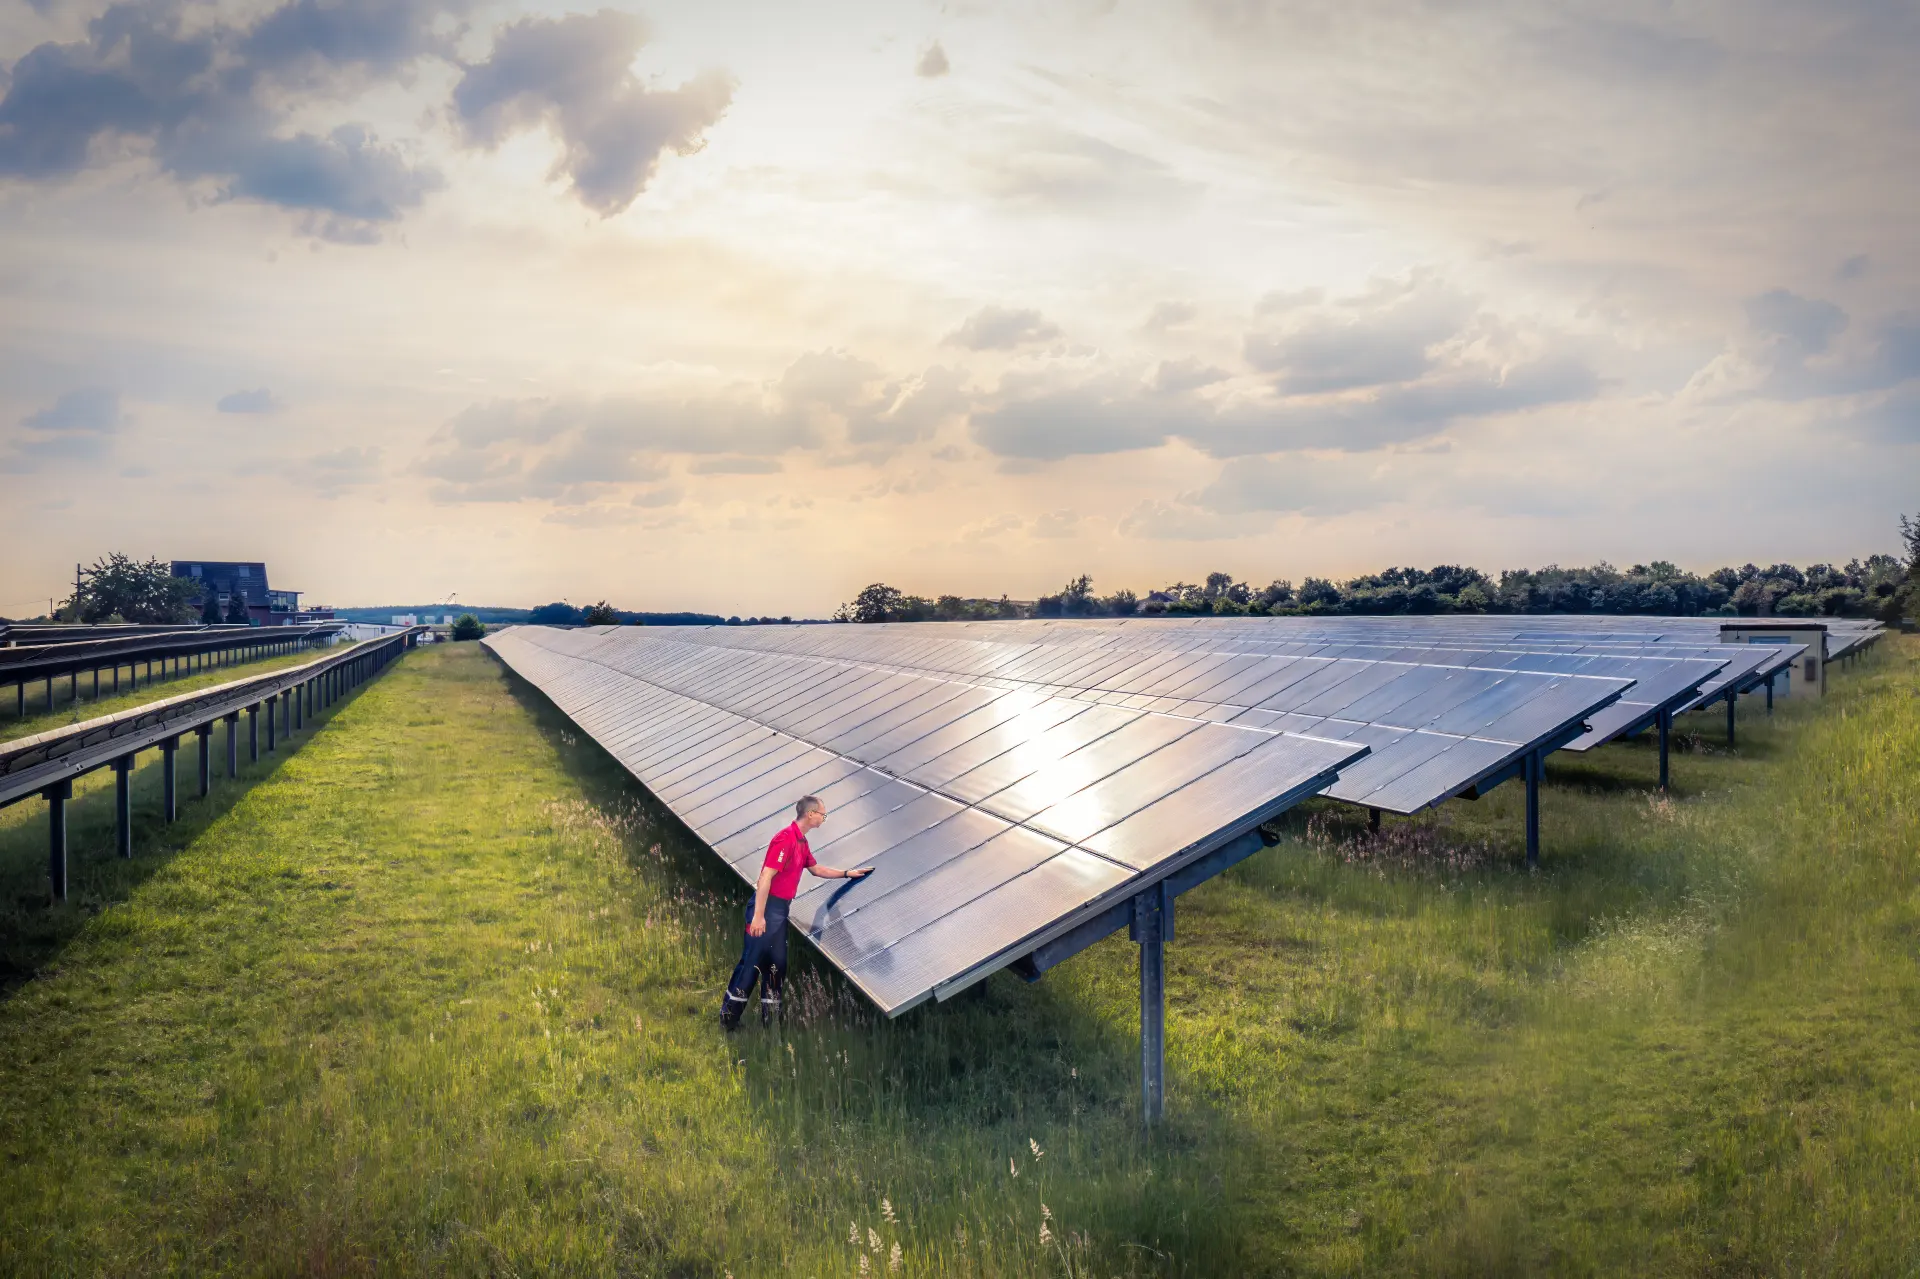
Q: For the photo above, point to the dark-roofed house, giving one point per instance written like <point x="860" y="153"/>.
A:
<point x="225" y="579"/>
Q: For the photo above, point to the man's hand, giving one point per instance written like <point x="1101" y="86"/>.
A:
<point x="858" y="872"/>
<point x="758" y="928"/>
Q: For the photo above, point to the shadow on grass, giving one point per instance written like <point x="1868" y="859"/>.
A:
<point x="959" y="1088"/>
<point x="34" y="929"/>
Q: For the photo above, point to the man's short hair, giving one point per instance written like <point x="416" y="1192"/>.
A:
<point x="807" y="804"/>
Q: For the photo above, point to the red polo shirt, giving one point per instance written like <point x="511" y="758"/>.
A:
<point x="788" y="854"/>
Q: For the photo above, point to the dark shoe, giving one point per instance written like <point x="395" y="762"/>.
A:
<point x="731" y="1007"/>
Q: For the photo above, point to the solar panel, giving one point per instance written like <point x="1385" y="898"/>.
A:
<point x="1413" y="715"/>
<point x="997" y="818"/>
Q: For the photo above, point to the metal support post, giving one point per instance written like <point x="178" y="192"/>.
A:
<point x="57" y="796"/>
<point x="233" y="744"/>
<point x="1666" y="734"/>
<point x="116" y="677"/>
<point x="49" y="693"/>
<point x="205" y="734"/>
<point x="1730" y="697"/>
<point x="20" y="695"/>
<point x="1153" y="928"/>
<point x="1535" y="766"/>
<point x="299" y="698"/>
<point x="1373" y="820"/>
<point x="169" y="793"/>
<point x="1769" y="694"/>
<point x="123" y="805"/>
<point x="253" y="733"/>
<point x="96" y="683"/>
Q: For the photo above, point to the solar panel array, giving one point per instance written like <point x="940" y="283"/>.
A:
<point x="996" y="818"/>
<point x="1435" y="729"/>
<point x="1013" y="781"/>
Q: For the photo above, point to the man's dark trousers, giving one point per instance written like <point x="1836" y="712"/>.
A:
<point x="764" y="956"/>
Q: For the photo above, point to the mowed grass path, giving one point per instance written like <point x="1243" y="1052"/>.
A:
<point x="435" y="994"/>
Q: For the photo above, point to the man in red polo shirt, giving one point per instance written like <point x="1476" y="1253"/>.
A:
<point x="765" y="953"/>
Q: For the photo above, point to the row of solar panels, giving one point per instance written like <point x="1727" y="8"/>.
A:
<point x="996" y="819"/>
<point x="1439" y="721"/>
<point x="1012" y="780"/>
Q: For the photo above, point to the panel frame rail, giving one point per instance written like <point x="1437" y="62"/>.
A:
<point x="42" y="661"/>
<point x="47" y="764"/>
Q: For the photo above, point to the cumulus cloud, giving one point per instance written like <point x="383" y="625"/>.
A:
<point x="1169" y="315"/>
<point x="1371" y="341"/>
<point x="260" y="400"/>
<point x="512" y="450"/>
<point x="78" y="426"/>
<point x="1291" y="483"/>
<point x="1107" y="415"/>
<point x="998" y="328"/>
<point x="1805" y="326"/>
<point x="1031" y="420"/>
<point x="209" y="100"/>
<point x="933" y="62"/>
<point x="574" y="77"/>
<point x="1176" y="376"/>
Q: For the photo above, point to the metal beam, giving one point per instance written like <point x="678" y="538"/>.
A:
<point x="1666" y="733"/>
<point x="123" y="805"/>
<point x="1152" y="929"/>
<point x="57" y="796"/>
<point x="169" y="789"/>
<point x="1536" y="765"/>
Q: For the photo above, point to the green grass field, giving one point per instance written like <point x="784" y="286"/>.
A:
<point x="39" y="720"/>
<point x="434" y="994"/>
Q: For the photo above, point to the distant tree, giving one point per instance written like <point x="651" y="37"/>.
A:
<point x="1318" y="594"/>
<point x="1276" y="595"/>
<point x="1075" y="599"/>
<point x="119" y="585"/>
<point x="554" y="614"/>
<point x="877" y="603"/>
<point x="603" y="614"/>
<point x="1122" y="603"/>
<point x="467" y="627"/>
<point x="1910" y="543"/>
<point x="237" y="608"/>
<point x="210" y="609"/>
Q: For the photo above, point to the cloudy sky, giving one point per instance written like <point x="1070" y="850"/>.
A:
<point x="740" y="306"/>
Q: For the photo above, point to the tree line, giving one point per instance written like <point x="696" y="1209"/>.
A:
<point x="1881" y="586"/>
